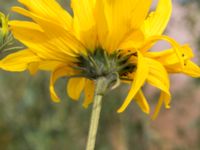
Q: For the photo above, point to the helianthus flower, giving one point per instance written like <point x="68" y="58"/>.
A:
<point x="103" y="38"/>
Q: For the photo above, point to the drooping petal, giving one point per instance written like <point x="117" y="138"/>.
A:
<point x="50" y="10"/>
<point x="138" y="81"/>
<point x="169" y="57"/>
<point x="191" y="69"/>
<point x="84" y="22"/>
<point x="158" y="78"/>
<point x="56" y="74"/>
<point x="163" y="98"/>
<point x="74" y="87"/>
<point x="142" y="102"/>
<point x="172" y="63"/>
<point x="175" y="46"/>
<point x="89" y="92"/>
<point x="157" y="21"/>
<point x="18" y="61"/>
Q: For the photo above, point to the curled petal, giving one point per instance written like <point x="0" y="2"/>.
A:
<point x="176" y="47"/>
<point x="56" y="74"/>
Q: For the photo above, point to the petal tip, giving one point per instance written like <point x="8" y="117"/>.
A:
<point x="120" y="110"/>
<point x="56" y="100"/>
<point x="85" y="106"/>
<point x="147" y="111"/>
<point x="54" y="96"/>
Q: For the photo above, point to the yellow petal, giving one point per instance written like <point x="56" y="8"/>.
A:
<point x="46" y="65"/>
<point x="176" y="47"/>
<point x="191" y="69"/>
<point x="172" y="63"/>
<point x="89" y="92"/>
<point x="157" y="21"/>
<point x="140" y="11"/>
<point x="43" y="44"/>
<point x="26" y="24"/>
<point x="56" y="74"/>
<point x="158" y="78"/>
<point x="142" y="102"/>
<point x="33" y="68"/>
<point x="84" y="22"/>
<point x="169" y="57"/>
<point x="101" y="22"/>
<point x="139" y="79"/>
<point x="18" y="61"/>
<point x="74" y="87"/>
<point x="64" y="39"/>
<point x="163" y="97"/>
<point x="50" y="10"/>
<point x="133" y="41"/>
<point x="116" y="18"/>
<point x="50" y="65"/>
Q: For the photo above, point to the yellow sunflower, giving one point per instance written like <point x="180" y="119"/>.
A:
<point x="103" y="38"/>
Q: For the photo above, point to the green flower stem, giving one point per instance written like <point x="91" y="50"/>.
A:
<point x="101" y="87"/>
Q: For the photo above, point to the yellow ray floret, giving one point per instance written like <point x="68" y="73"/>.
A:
<point x="138" y="81"/>
<point x="75" y="86"/>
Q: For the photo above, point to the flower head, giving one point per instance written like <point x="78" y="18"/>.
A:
<point x="110" y="38"/>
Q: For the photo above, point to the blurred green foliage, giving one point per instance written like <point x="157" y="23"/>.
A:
<point x="29" y="120"/>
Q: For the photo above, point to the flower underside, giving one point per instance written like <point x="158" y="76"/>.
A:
<point x="125" y="32"/>
<point x="102" y="64"/>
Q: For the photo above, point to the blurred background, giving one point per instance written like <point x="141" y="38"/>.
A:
<point x="29" y="120"/>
